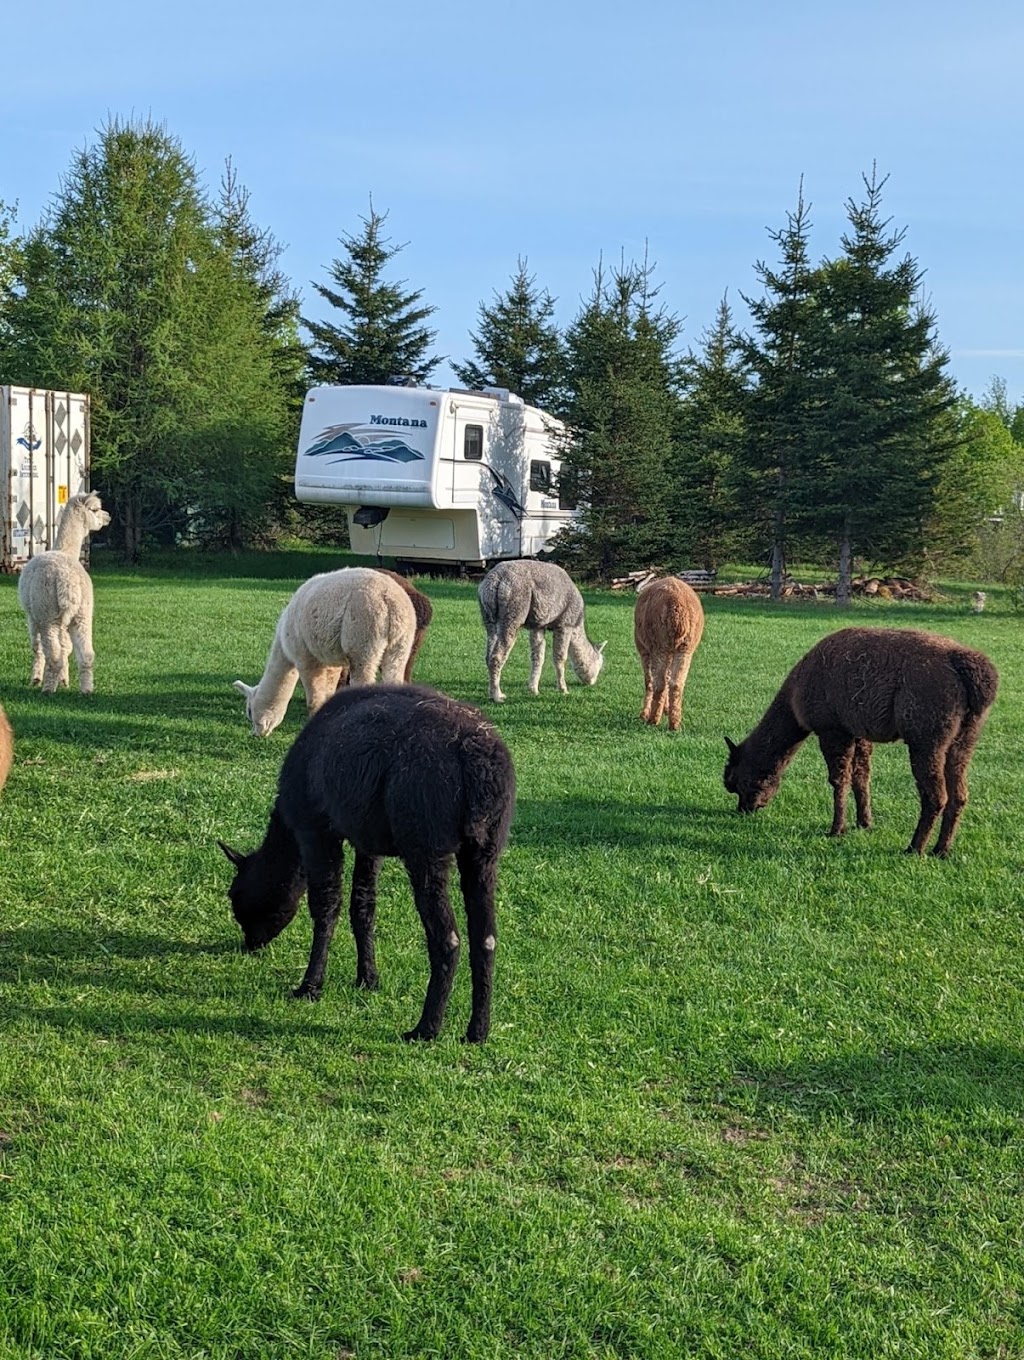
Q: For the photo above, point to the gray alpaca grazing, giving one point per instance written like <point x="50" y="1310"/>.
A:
<point x="537" y="596"/>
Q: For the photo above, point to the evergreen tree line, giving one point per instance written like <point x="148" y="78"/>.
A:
<point x="828" y="432"/>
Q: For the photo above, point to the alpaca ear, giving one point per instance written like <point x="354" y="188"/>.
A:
<point x="733" y="748"/>
<point x="243" y="688"/>
<point x="235" y="856"/>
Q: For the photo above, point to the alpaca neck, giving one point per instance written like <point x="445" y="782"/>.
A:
<point x="582" y="652"/>
<point x="280" y="852"/>
<point x="777" y="735"/>
<point x="71" y="534"/>
<point x="277" y="684"/>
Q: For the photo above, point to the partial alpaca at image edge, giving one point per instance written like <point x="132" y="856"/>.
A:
<point x="6" y="748"/>
<point x="865" y="685"/>
<point x="396" y="771"/>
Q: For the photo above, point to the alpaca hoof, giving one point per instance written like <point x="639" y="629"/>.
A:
<point x="368" y="982"/>
<point x="912" y="850"/>
<point x="36" y="681"/>
<point x="305" y="993"/>
<point x="418" y="1035"/>
<point x="940" y="853"/>
<point x="474" y="1035"/>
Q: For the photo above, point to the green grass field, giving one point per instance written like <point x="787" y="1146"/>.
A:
<point x="749" y="1091"/>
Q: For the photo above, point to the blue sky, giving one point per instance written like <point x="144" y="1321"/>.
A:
<point x="561" y="131"/>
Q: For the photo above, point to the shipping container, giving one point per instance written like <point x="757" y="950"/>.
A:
<point x="44" y="460"/>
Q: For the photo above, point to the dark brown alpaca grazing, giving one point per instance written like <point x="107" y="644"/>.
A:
<point x="6" y="748"/>
<point x="424" y="611"/>
<point x="668" y="623"/>
<point x="863" y="685"/>
<point x="395" y="770"/>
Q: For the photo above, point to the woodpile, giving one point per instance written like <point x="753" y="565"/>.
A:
<point x="878" y="587"/>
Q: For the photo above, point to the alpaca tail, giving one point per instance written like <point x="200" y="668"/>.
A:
<point x="979" y="678"/>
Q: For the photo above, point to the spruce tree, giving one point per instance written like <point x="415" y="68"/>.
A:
<point x="381" y="334"/>
<point x="881" y="436"/>
<point x="127" y="292"/>
<point x="517" y="345"/>
<point x="778" y="453"/>
<point x="622" y="379"/>
<point x="706" y="502"/>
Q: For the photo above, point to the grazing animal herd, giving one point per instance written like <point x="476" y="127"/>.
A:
<point x="400" y="770"/>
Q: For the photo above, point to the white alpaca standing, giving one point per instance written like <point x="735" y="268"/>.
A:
<point x="55" y="591"/>
<point x="537" y="596"/>
<point x="355" y="619"/>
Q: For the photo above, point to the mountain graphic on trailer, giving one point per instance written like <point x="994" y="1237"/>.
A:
<point x="339" y="439"/>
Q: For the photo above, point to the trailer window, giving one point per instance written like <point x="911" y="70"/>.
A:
<point x="540" y="475"/>
<point x="473" y="442"/>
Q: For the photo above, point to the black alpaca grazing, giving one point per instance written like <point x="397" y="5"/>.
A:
<point x="394" y="770"/>
<point x="863" y="685"/>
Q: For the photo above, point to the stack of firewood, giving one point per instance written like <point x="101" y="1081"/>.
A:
<point x="881" y="587"/>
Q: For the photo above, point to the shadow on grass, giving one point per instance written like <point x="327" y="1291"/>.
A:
<point x="126" y="1023"/>
<point x="889" y="1084"/>
<point x="194" y="711"/>
<point x="581" y="822"/>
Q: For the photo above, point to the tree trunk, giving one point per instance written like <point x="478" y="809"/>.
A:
<point x="844" y="586"/>
<point x="131" y="518"/>
<point x="778" y="566"/>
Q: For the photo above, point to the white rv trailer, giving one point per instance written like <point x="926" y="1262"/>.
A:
<point x="433" y="476"/>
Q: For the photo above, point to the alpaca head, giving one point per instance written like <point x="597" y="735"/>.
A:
<point x="586" y="659"/>
<point x="753" y="787"/>
<point x="264" y="718"/>
<point x="262" y="903"/>
<point x="95" y="516"/>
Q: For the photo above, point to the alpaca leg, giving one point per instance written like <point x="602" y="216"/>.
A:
<point x="478" y="873"/>
<point x="53" y="653"/>
<point x="928" y="762"/>
<point x="362" y="914"/>
<point x="958" y="758"/>
<point x="560" y="653"/>
<point x="429" y="881"/>
<point x="659" y="681"/>
<point x="322" y="863"/>
<point x="838" y="749"/>
<point x="363" y="669"/>
<point x="862" y="782"/>
<point x="65" y="672"/>
<point x="318" y="685"/>
<point x="678" y="671"/>
<point x="394" y="661"/>
<point x="417" y="643"/>
<point x="645" y="712"/>
<point x="499" y="645"/>
<point x="38" y="656"/>
<point x="536" y="658"/>
<point x="81" y="640"/>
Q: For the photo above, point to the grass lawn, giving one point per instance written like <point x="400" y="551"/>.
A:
<point x="749" y="1091"/>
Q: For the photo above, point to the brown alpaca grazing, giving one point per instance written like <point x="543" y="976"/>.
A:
<point x="667" y="625"/>
<point x="424" y="611"/>
<point x="863" y="685"/>
<point x="6" y="748"/>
